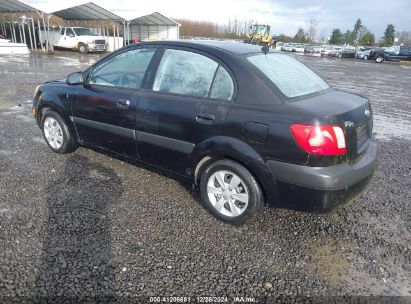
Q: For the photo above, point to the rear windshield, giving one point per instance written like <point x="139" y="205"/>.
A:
<point x="289" y="75"/>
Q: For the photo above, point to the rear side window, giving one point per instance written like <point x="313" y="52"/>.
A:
<point x="185" y="73"/>
<point x="223" y="87"/>
<point x="289" y="75"/>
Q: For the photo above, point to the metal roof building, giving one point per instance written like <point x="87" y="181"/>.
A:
<point x="15" y="6"/>
<point x="154" y="26"/>
<point x="23" y="27"/>
<point x="16" y="22"/>
<point x="87" y="11"/>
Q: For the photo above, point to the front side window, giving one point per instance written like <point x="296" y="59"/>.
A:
<point x="289" y="75"/>
<point x="126" y="70"/>
<point x="185" y="73"/>
<point x="69" y="32"/>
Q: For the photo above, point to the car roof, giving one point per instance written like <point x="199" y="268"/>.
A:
<point x="229" y="47"/>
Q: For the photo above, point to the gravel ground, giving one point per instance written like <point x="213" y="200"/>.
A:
<point x="88" y="227"/>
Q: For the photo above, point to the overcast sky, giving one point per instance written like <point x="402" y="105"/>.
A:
<point x="285" y="16"/>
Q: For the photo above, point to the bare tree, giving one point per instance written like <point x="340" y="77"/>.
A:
<point x="311" y="32"/>
<point x="323" y="37"/>
<point x="404" y="37"/>
<point x="361" y="32"/>
<point x="233" y="29"/>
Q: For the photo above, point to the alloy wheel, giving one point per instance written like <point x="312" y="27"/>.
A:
<point x="53" y="133"/>
<point x="228" y="193"/>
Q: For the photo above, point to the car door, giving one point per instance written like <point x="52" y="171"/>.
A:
<point x="104" y="109"/>
<point x="405" y="53"/>
<point x="189" y="101"/>
<point x="61" y="39"/>
<point x="69" y="39"/>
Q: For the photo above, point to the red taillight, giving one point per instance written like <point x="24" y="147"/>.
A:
<point x="321" y="140"/>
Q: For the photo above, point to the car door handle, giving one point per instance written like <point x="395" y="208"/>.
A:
<point x="123" y="103"/>
<point x="205" y="118"/>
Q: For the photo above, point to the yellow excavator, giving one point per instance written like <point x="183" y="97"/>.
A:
<point x="260" y="34"/>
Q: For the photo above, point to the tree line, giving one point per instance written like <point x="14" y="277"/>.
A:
<point x="238" y="29"/>
<point x="360" y="35"/>
<point x="234" y="29"/>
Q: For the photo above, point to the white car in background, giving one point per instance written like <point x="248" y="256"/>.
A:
<point x="299" y="48"/>
<point x="288" y="47"/>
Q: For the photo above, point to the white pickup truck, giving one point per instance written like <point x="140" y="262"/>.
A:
<point x="78" y="38"/>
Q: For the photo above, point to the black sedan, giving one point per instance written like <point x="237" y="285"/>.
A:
<point x="249" y="126"/>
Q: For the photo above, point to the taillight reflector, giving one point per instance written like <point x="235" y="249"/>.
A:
<point x="320" y="140"/>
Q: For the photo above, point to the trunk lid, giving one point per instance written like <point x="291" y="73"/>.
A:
<point x="349" y="111"/>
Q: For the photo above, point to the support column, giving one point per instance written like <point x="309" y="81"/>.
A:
<point x="45" y="33"/>
<point x="20" y="32"/>
<point x="24" y="32"/>
<point x="114" y="37"/>
<point x="40" y="35"/>
<point x="30" y="37"/>
<point x="139" y="32"/>
<point x="34" y="34"/>
<point x="13" y="30"/>
<point x="48" y="31"/>
<point x="3" y="29"/>
<point x="124" y="33"/>
<point x="118" y="36"/>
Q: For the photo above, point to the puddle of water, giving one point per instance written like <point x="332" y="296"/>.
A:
<point x="5" y="96"/>
<point x="387" y="127"/>
<point x="15" y="58"/>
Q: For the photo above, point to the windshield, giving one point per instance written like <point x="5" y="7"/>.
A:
<point x="393" y="49"/>
<point x="83" y="31"/>
<point x="289" y="75"/>
<point x="260" y="30"/>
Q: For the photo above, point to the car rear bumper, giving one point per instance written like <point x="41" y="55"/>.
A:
<point x="322" y="188"/>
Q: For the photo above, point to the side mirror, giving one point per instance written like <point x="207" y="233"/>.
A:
<point x="71" y="35"/>
<point x="75" y="78"/>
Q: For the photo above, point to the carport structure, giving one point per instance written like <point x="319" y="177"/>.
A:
<point x="104" y="22"/>
<point x="14" y="13"/>
<point x="17" y="23"/>
<point x="154" y="26"/>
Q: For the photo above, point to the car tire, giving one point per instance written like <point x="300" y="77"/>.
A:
<point x="379" y="59"/>
<point x="82" y="48"/>
<point x="238" y="199"/>
<point x="56" y="133"/>
<point x="365" y="57"/>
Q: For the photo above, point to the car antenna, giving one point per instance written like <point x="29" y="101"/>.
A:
<point x="265" y="49"/>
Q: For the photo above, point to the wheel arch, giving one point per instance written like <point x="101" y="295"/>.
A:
<point x="222" y="147"/>
<point x="48" y="100"/>
<point x="51" y="101"/>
